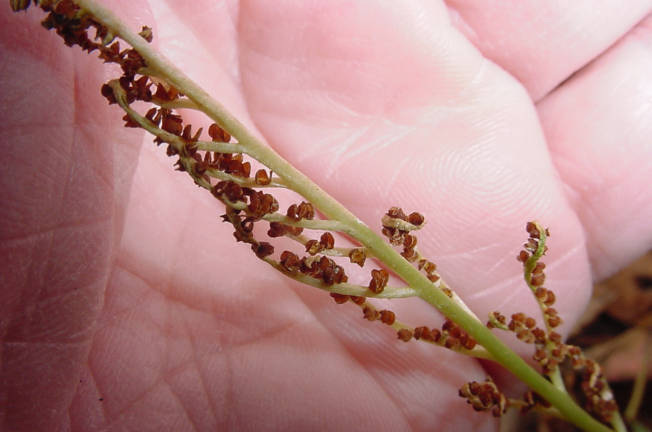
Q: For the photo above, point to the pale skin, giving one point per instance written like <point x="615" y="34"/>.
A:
<point x="126" y="305"/>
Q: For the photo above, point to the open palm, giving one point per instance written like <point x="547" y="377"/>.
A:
<point x="126" y="305"/>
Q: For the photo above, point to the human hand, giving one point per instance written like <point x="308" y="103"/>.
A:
<point x="126" y="304"/>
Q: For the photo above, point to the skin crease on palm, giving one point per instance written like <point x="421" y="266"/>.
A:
<point x="126" y="305"/>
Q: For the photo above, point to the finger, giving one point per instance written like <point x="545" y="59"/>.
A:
<point x="57" y="217"/>
<point x="541" y="44"/>
<point x="598" y="129"/>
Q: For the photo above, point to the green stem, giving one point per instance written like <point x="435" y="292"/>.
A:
<point x="640" y="381"/>
<point x="355" y="227"/>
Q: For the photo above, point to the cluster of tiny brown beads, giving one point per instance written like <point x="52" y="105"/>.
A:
<point x="322" y="267"/>
<point x="532" y="400"/>
<point x="72" y="24"/>
<point x="343" y="298"/>
<point x="258" y="203"/>
<point x="378" y="281"/>
<point x="525" y="329"/>
<point x="429" y="268"/>
<point x="408" y="242"/>
<point x="397" y="236"/>
<point x="484" y="397"/>
<point x="451" y="336"/>
<point x="277" y="229"/>
<point x="544" y="296"/>
<point x="243" y="232"/>
<point x="549" y="352"/>
<point x="498" y="318"/>
<point x="326" y="241"/>
<point x="369" y="312"/>
<point x="304" y="210"/>
<point x="593" y="385"/>
<point x="456" y="337"/>
<point x="426" y="334"/>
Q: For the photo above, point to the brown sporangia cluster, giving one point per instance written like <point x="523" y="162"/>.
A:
<point x="532" y="400"/>
<point x="319" y="267"/>
<point x="484" y="397"/>
<point x="450" y="336"/>
<point x="397" y="227"/>
<point x="550" y="350"/>
<point x="72" y="24"/>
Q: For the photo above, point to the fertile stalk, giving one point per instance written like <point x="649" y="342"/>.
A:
<point x="222" y="162"/>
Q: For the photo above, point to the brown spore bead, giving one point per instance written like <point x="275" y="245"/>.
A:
<point x="409" y="254"/>
<point x="276" y="229"/>
<point x="397" y="213"/>
<point x="146" y="33"/>
<point x="369" y="313"/>
<point x="523" y="256"/>
<point x="290" y="261"/>
<point x="313" y="247"/>
<point x="539" y="354"/>
<point x="262" y="249"/>
<point x="172" y="123"/>
<point x="404" y="334"/>
<point x="519" y="317"/>
<point x="339" y="276"/>
<point x="305" y="210"/>
<point x="420" y="331"/>
<point x="378" y="281"/>
<point x="554" y="337"/>
<point x="409" y="241"/>
<point x="416" y="219"/>
<point x="218" y="134"/>
<point x="292" y="212"/>
<point x="532" y="230"/>
<point x="525" y="336"/>
<point x="539" y="335"/>
<point x="358" y="256"/>
<point x="550" y="298"/>
<point x="539" y="267"/>
<point x="452" y="343"/>
<point x="541" y="293"/>
<point x="433" y="277"/>
<point x="359" y="300"/>
<point x="468" y="342"/>
<point x="339" y="298"/>
<point x="262" y="178"/>
<point x="538" y="279"/>
<point x="429" y="267"/>
<point x="327" y="241"/>
<point x="554" y="321"/>
<point x="387" y="317"/>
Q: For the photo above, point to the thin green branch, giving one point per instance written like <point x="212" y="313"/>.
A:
<point x="636" y="398"/>
<point x="344" y="288"/>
